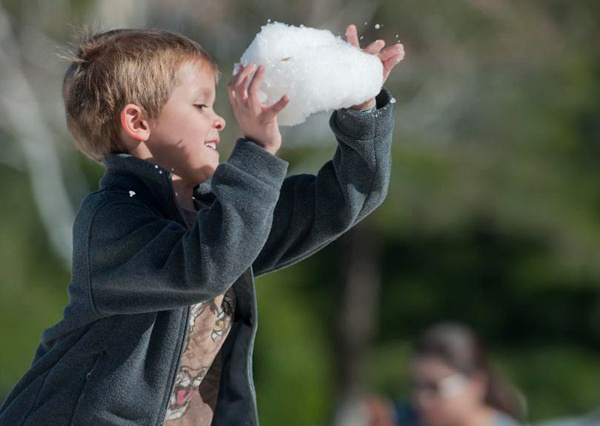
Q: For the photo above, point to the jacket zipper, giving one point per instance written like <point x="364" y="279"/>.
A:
<point x="170" y="388"/>
<point x="249" y="282"/>
<point x="161" y="418"/>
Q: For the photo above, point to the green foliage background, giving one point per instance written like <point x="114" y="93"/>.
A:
<point x="493" y="214"/>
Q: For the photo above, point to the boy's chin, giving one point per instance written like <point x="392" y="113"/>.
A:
<point x="195" y="177"/>
<point x="205" y="173"/>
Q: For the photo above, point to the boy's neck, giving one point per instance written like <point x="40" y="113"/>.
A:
<point x="183" y="193"/>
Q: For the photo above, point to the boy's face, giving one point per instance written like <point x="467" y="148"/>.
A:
<point x="184" y="138"/>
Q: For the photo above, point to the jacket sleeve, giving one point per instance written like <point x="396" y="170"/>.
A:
<point x="312" y="211"/>
<point x="141" y="262"/>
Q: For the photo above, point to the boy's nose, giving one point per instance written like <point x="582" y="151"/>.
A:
<point x="219" y="123"/>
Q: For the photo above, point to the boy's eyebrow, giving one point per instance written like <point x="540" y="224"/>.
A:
<point x="202" y="91"/>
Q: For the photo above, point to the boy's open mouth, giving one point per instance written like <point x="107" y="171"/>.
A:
<point x="212" y="144"/>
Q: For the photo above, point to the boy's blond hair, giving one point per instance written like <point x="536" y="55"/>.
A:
<point x="118" y="67"/>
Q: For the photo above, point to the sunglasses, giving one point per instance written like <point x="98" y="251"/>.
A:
<point x="445" y="388"/>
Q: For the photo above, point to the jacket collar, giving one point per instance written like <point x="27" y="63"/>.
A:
<point x="129" y="173"/>
<point x="126" y="163"/>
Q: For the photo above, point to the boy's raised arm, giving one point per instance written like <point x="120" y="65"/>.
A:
<point x="312" y="211"/>
<point x="140" y="262"/>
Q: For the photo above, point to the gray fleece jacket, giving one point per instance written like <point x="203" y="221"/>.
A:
<point x="138" y="266"/>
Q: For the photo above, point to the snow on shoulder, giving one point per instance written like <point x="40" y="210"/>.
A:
<point x="317" y="70"/>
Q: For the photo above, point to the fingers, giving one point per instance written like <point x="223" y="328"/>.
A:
<point x="276" y="108"/>
<point x="239" y="82"/>
<point x="392" y="62"/>
<point x="393" y="58"/>
<point x="352" y="36"/>
<point x="253" y="101"/>
<point x="232" y="83"/>
<point x="375" y="47"/>
<point x="244" y="96"/>
<point x="255" y="83"/>
<point x="389" y="52"/>
<point x="235" y="77"/>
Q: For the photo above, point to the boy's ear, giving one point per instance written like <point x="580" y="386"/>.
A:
<point x="134" y="124"/>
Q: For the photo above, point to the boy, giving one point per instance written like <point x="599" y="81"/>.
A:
<point x="161" y="319"/>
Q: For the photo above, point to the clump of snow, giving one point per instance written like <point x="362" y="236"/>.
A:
<point x="317" y="70"/>
<point x="377" y="26"/>
<point x="131" y="193"/>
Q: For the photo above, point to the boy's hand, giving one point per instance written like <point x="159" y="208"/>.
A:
<point x="390" y="57"/>
<point x="257" y="121"/>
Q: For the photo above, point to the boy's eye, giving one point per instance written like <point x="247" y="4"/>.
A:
<point x="201" y="106"/>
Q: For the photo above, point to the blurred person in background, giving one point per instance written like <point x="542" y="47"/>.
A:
<point x="453" y="384"/>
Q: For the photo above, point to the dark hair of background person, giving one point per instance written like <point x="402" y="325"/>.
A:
<point x="458" y="347"/>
